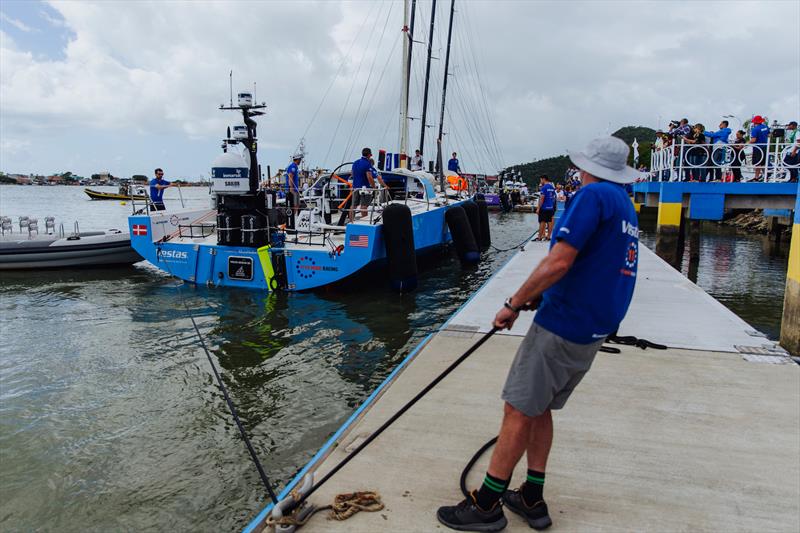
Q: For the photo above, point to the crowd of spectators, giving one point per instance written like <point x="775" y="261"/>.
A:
<point x="696" y="149"/>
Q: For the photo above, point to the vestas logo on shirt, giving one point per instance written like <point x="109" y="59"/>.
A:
<point x="630" y="229"/>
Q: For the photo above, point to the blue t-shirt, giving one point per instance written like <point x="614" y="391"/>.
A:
<point x="157" y="195"/>
<point x="760" y="132"/>
<point x="452" y="165"/>
<point x="360" y="169"/>
<point x="292" y="168"/>
<point x="591" y="300"/>
<point x="548" y="196"/>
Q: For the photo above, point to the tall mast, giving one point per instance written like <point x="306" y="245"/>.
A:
<point x="427" y="79"/>
<point x="404" y="97"/>
<point x="410" y="46"/>
<point x="444" y="93"/>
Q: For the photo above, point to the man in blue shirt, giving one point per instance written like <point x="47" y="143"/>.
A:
<point x="585" y="285"/>
<point x="293" y="183"/>
<point x="364" y="175"/>
<point x="719" y="152"/>
<point x="547" y="208"/>
<point x="452" y="165"/>
<point x="157" y="187"/>
<point x="759" y="136"/>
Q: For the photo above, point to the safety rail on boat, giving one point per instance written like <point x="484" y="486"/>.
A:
<point x="684" y="161"/>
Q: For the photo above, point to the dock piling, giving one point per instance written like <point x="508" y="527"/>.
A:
<point x="669" y="237"/>
<point x="790" y="322"/>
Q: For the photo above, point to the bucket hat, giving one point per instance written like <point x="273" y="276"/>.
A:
<point x="606" y="158"/>
<point x="758" y="119"/>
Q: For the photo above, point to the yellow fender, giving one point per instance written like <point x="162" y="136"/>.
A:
<point x="266" y="265"/>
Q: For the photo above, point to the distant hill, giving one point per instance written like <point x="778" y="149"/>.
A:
<point x="555" y="167"/>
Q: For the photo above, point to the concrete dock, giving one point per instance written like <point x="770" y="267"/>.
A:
<point x="704" y="436"/>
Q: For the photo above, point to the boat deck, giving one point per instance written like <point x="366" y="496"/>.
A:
<point x="699" y="437"/>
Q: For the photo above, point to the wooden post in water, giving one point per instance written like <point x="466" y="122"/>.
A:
<point x="790" y="322"/>
<point x="669" y="241"/>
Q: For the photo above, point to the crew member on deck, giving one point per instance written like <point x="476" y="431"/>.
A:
<point x="293" y="183"/>
<point x="452" y="165"/>
<point x="363" y="182"/>
<point x="157" y="187"/>
<point x="547" y="208"/>
<point x="416" y="161"/>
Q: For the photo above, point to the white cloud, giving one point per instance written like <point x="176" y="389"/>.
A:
<point x="139" y="77"/>
<point x="21" y="26"/>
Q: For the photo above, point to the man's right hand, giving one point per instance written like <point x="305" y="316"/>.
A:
<point x="505" y="318"/>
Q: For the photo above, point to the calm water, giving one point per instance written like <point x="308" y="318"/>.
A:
<point x="109" y="416"/>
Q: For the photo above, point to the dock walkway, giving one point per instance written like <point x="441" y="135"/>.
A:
<point x="700" y="437"/>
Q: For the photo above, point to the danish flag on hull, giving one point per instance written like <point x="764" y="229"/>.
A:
<point x="140" y="229"/>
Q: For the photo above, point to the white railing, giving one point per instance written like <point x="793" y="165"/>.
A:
<point x="769" y="162"/>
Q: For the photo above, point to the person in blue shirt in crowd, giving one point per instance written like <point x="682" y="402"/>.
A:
<point x="293" y="183"/>
<point x="584" y="286"/>
<point x="719" y="150"/>
<point x="759" y="136"/>
<point x="452" y="164"/>
<point x="157" y="187"/>
<point x="547" y="208"/>
<point x="364" y="175"/>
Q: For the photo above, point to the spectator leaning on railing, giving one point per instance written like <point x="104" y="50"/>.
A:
<point x="737" y="145"/>
<point x="792" y="159"/>
<point x="759" y="136"/>
<point x="718" y="157"/>
<point x="696" y="155"/>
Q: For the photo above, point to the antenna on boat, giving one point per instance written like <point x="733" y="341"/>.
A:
<point x="230" y="77"/>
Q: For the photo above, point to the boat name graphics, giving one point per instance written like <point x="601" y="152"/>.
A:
<point x="172" y="255"/>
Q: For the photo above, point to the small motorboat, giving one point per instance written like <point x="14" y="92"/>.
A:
<point x="28" y="249"/>
<point x="126" y="192"/>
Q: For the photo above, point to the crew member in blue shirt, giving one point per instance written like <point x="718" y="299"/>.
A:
<point x="293" y="183"/>
<point x="452" y="164"/>
<point x="719" y="152"/>
<point x="157" y="187"/>
<point x="759" y="136"/>
<point x="584" y="287"/>
<point x="547" y="208"/>
<point x="363" y="183"/>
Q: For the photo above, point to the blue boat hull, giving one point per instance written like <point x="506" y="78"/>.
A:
<point x="262" y="269"/>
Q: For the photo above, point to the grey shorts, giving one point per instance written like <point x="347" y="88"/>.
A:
<point x="546" y="370"/>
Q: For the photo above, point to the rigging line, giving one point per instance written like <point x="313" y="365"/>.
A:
<point x="366" y="84"/>
<point x="479" y="123"/>
<point x="336" y="77"/>
<point x="347" y="101"/>
<point x="231" y="407"/>
<point x="477" y="63"/>
<point x="470" y="126"/>
<point x="471" y="108"/>
<point x="377" y="90"/>
<point x="468" y="99"/>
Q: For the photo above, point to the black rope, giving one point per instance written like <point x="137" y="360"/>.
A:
<point x="520" y="245"/>
<point x="395" y="416"/>
<point x="464" y="473"/>
<point x="231" y="407"/>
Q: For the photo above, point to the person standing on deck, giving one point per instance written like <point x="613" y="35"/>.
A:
<point x="293" y="183"/>
<point x="363" y="183"/>
<point x="585" y="285"/>
<point x="547" y="208"/>
<point x="416" y="161"/>
<point x="452" y="164"/>
<point x="719" y="140"/>
<point x="157" y="187"/>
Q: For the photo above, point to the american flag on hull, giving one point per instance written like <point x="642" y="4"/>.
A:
<point x="359" y="241"/>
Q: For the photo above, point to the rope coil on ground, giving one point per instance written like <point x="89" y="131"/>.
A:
<point x="343" y="507"/>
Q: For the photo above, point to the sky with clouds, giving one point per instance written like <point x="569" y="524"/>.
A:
<point x="128" y="86"/>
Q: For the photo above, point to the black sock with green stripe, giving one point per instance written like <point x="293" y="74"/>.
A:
<point x="491" y="490"/>
<point x="533" y="487"/>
